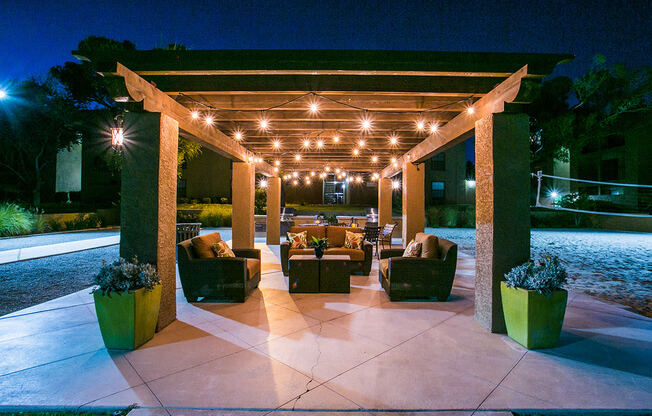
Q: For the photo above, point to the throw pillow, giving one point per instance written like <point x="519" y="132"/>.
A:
<point x="413" y="249"/>
<point x="298" y="240"/>
<point x="221" y="249"/>
<point x="353" y="240"/>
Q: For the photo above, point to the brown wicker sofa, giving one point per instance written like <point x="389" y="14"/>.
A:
<point x="360" y="259"/>
<point x="223" y="279"/>
<point x="426" y="277"/>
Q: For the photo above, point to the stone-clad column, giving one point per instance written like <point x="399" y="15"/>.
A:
<point x="274" y="211"/>
<point x="149" y="200"/>
<point x="502" y="194"/>
<point x="414" y="214"/>
<point x="384" y="201"/>
<point x="243" y="190"/>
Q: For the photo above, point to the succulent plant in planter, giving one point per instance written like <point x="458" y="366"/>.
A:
<point x="320" y="245"/>
<point x="127" y="299"/>
<point x="534" y="302"/>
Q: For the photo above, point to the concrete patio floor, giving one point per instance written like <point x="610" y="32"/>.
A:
<point x="329" y="352"/>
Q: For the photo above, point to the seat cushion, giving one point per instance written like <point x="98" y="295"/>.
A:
<point x="317" y="231"/>
<point x="355" y="255"/>
<point x="429" y="245"/>
<point x="383" y="266"/>
<point x="253" y="268"/>
<point x="299" y="251"/>
<point x="337" y="235"/>
<point x="202" y="246"/>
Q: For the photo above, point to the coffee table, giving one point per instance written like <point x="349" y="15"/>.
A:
<point x="330" y="274"/>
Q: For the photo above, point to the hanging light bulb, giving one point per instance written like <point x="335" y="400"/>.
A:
<point x="374" y="159"/>
<point x="337" y="170"/>
<point x="327" y="168"/>
<point x="275" y="169"/>
<point x="434" y="127"/>
<point x="312" y="173"/>
<point x="320" y="144"/>
<point x="308" y="181"/>
<point x="277" y="162"/>
<point x="356" y="152"/>
<point x="396" y="185"/>
<point x="393" y="160"/>
<point x="366" y="123"/>
<point x="361" y="143"/>
<point x="263" y="123"/>
<point x="307" y="178"/>
<point x="194" y="115"/>
<point x="208" y="120"/>
<point x="276" y="144"/>
<point x="251" y="159"/>
<point x="306" y="143"/>
<point x="313" y="108"/>
<point x="297" y="157"/>
<point x="336" y="139"/>
<point x="470" y="110"/>
<point x="295" y="174"/>
<point x="420" y="124"/>
<point x="295" y="182"/>
<point x="263" y="183"/>
<point x="358" y="179"/>
<point x="238" y="135"/>
<point x="393" y="139"/>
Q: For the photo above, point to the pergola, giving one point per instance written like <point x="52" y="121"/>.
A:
<point x="307" y="99"/>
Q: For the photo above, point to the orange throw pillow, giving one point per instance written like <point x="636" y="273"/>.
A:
<point x="413" y="249"/>
<point x="298" y="240"/>
<point x="353" y="240"/>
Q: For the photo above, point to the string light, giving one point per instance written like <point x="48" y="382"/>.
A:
<point x="312" y="173"/>
<point x="393" y="139"/>
<point x="263" y="123"/>
<point x="275" y="169"/>
<point x="420" y="125"/>
<point x="374" y="159"/>
<point x="434" y="127"/>
<point x="276" y="144"/>
<point x="396" y="185"/>
<point x="263" y="183"/>
<point x="356" y="152"/>
<point x="297" y="157"/>
<point x="277" y="162"/>
<point x="366" y="123"/>
<point x="295" y="174"/>
<point x="194" y="115"/>
<point x="295" y="182"/>
<point x="393" y="160"/>
<point x="313" y="108"/>
<point x="361" y="143"/>
<point x="251" y="159"/>
<point x="470" y="110"/>
<point x="358" y="179"/>
<point x="327" y="168"/>
<point x="238" y="135"/>
<point x="320" y="144"/>
<point x="336" y="139"/>
<point x="208" y="120"/>
<point x="306" y="143"/>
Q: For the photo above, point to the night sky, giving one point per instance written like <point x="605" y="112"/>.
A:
<point x="36" y="35"/>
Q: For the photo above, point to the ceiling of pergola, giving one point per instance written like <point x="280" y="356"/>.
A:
<point x="392" y="89"/>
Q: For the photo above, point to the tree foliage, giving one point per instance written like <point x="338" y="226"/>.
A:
<point x="603" y="94"/>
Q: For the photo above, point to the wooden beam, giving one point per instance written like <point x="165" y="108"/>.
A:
<point x="514" y="89"/>
<point x="153" y="100"/>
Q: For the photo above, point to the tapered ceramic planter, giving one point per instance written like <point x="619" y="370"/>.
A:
<point x="128" y="320"/>
<point x="532" y="319"/>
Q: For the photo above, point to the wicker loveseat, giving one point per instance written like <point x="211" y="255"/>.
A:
<point x="222" y="279"/>
<point x="360" y="259"/>
<point x="428" y="276"/>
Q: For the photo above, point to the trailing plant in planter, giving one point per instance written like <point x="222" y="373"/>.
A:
<point x="534" y="302"/>
<point x="127" y="300"/>
<point x="320" y="245"/>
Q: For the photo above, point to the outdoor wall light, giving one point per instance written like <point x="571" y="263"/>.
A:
<point x="470" y="183"/>
<point x="117" y="137"/>
<point x="554" y="195"/>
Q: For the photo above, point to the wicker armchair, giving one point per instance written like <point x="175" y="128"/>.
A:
<point x="419" y="277"/>
<point x="223" y="279"/>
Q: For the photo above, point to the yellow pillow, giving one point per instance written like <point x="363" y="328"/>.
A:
<point x="221" y="249"/>
<point x="353" y="240"/>
<point x="298" y="240"/>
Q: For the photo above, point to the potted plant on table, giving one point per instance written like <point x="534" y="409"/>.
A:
<point x="127" y="299"/>
<point x="534" y="302"/>
<point x="320" y="245"/>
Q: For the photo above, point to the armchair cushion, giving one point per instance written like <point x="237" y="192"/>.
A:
<point x="429" y="245"/>
<point x="383" y="266"/>
<point x="202" y="246"/>
<point x="413" y="249"/>
<point x="355" y="255"/>
<point x="253" y="268"/>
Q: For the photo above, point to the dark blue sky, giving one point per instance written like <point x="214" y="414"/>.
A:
<point x="36" y="35"/>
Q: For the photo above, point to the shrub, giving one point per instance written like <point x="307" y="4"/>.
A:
<point x="205" y="200"/>
<point x="468" y="217"/>
<point x="123" y="276"/>
<point x="182" y="200"/>
<point x="544" y="275"/>
<point x="451" y="217"/>
<point x="433" y="216"/>
<point x="224" y="200"/>
<point x="260" y="202"/>
<point x="215" y="216"/>
<point x="84" y="221"/>
<point x="185" y="216"/>
<point x="15" y="220"/>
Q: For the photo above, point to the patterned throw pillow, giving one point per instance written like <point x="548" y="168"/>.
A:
<point x="221" y="249"/>
<point x="413" y="249"/>
<point x="353" y="240"/>
<point x="298" y="240"/>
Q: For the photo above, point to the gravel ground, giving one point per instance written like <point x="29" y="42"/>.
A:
<point x="615" y="266"/>
<point x="46" y="239"/>
<point x="27" y="283"/>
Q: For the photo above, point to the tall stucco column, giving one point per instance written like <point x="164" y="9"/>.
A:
<point x="502" y="195"/>
<point x="274" y="211"/>
<point x="413" y="201"/>
<point x="149" y="200"/>
<point x="384" y="201"/>
<point x="244" y="186"/>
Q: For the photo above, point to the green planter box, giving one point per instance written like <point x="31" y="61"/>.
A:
<point x="128" y="320"/>
<point x="532" y="319"/>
